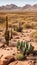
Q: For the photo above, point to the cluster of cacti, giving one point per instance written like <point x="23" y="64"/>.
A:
<point x="19" y="28"/>
<point x="7" y="32"/>
<point x="25" y="47"/>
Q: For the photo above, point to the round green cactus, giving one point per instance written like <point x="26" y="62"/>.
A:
<point x="20" y="56"/>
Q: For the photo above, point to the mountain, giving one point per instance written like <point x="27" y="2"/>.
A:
<point x="8" y="7"/>
<point x="13" y="7"/>
<point x="26" y="6"/>
<point x="35" y="6"/>
<point x="30" y="8"/>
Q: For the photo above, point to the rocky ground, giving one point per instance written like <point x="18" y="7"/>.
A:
<point x="8" y="53"/>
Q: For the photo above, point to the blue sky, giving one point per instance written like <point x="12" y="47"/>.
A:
<point x="18" y="2"/>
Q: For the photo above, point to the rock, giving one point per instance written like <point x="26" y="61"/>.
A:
<point x="7" y="60"/>
<point x="12" y="44"/>
<point x="3" y="62"/>
<point x="14" y="63"/>
<point x="1" y="44"/>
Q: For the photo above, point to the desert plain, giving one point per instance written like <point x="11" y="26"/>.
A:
<point x="28" y="22"/>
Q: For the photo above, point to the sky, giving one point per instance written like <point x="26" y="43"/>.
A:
<point x="18" y="2"/>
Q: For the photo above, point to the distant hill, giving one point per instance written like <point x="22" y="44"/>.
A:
<point x="26" y="6"/>
<point x="13" y="7"/>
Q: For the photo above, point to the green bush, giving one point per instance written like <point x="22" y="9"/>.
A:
<point x="34" y="36"/>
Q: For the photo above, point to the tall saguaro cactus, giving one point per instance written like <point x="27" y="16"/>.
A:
<point x="6" y="23"/>
<point x="7" y="32"/>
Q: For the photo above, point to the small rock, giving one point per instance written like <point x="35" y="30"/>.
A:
<point x="1" y="44"/>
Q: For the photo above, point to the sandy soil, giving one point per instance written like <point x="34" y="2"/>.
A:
<point x="25" y="35"/>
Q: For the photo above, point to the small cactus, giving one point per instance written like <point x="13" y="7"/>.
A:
<point x="20" y="56"/>
<point x="19" y="28"/>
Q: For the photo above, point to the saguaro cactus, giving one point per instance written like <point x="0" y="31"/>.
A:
<point x="7" y="32"/>
<point x="6" y="23"/>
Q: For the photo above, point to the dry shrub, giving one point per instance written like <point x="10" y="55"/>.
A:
<point x="14" y="33"/>
<point x="34" y="36"/>
<point x="2" y="19"/>
<point x="32" y="25"/>
<point x="28" y="25"/>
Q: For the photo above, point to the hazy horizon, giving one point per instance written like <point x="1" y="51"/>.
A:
<point x="18" y="2"/>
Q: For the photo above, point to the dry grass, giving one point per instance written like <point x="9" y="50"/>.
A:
<point x="34" y="36"/>
<point x="28" y="19"/>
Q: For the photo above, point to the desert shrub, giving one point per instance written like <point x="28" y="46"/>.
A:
<point x="34" y="36"/>
<point x="31" y="25"/>
<point x="14" y="33"/>
<point x="28" y="25"/>
<point x="2" y="19"/>
<point x="20" y="56"/>
<point x="25" y="47"/>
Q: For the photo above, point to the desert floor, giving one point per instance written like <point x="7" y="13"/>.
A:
<point x="8" y="53"/>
